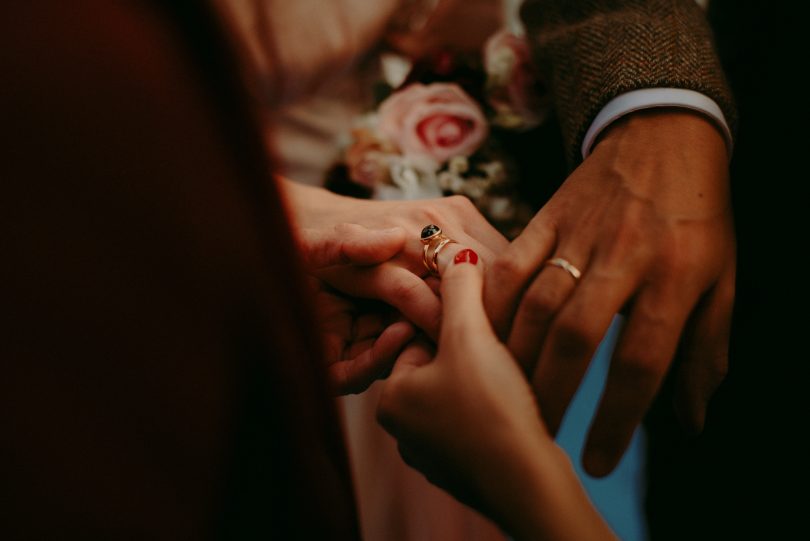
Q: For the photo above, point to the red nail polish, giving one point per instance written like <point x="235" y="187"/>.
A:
<point x="466" y="256"/>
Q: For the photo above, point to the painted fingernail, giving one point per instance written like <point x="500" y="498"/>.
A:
<point x="466" y="256"/>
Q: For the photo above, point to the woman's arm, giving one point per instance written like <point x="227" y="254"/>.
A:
<point x="466" y="417"/>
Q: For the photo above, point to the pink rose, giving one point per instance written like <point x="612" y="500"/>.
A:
<point x="513" y="89"/>
<point x="436" y="122"/>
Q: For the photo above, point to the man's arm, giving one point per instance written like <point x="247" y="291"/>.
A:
<point x="593" y="51"/>
<point x="646" y="218"/>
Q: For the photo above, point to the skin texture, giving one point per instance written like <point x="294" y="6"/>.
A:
<point x="472" y="395"/>
<point x="647" y="219"/>
<point x="362" y="338"/>
<point x="371" y="287"/>
<point x="399" y="281"/>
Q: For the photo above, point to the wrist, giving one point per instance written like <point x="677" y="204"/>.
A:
<point x="673" y="99"/>
<point x="535" y="494"/>
<point x="664" y="150"/>
<point x="554" y="504"/>
<point x="664" y="127"/>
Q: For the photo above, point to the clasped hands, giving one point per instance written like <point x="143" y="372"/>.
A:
<point x="646" y="218"/>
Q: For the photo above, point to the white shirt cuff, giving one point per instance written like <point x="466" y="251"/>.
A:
<point x="648" y="98"/>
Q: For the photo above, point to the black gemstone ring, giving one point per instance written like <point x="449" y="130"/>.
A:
<point x="430" y="232"/>
<point x="434" y="241"/>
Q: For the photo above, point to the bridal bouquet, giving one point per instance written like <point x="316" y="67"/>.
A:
<point x="444" y="131"/>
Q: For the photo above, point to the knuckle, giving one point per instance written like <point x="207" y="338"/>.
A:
<point x="506" y="268"/>
<point x="676" y="262"/>
<point x="638" y="368"/>
<point x="460" y="204"/>
<point x="622" y="256"/>
<point x="431" y="213"/>
<point x="573" y="339"/>
<point x="632" y="225"/>
<point x="629" y="233"/>
<point x="345" y="228"/>
<point x="540" y="305"/>
<point x="542" y="228"/>
<point x="405" y="290"/>
<point x="656" y="320"/>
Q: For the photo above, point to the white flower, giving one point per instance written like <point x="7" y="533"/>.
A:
<point x="450" y="181"/>
<point x="499" y="65"/>
<point x="415" y="179"/>
<point x="474" y="187"/>
<point x="501" y="208"/>
<point x="495" y="172"/>
<point x="458" y="164"/>
<point x="512" y="82"/>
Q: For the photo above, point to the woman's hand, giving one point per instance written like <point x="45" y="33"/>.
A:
<point x="361" y="338"/>
<point x="398" y="279"/>
<point x="466" y="417"/>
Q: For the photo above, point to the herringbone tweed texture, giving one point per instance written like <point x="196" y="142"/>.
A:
<point x="590" y="51"/>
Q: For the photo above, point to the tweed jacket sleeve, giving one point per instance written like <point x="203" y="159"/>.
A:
<point x="590" y="51"/>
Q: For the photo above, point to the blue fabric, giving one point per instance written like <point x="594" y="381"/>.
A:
<point x="619" y="496"/>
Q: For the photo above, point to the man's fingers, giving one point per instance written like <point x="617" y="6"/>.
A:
<point x="641" y="360"/>
<point x="480" y="235"/>
<point x="704" y="354"/>
<point x="573" y="338"/>
<point x="538" y="307"/>
<point x="512" y="271"/>
<point x="349" y="244"/>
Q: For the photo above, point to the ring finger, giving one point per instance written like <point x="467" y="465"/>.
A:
<point x="542" y="301"/>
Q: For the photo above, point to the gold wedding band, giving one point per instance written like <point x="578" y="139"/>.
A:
<point x="434" y="242"/>
<point x="566" y="265"/>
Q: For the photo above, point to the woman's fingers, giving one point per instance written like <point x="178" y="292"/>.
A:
<point x="393" y="285"/>
<point x="370" y="358"/>
<point x="349" y="244"/>
<point x="463" y="315"/>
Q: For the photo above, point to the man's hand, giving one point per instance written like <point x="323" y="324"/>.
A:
<point x="647" y="220"/>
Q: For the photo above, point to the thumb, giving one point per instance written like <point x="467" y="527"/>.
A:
<point x="462" y="287"/>
<point x="349" y="244"/>
<point x="418" y="353"/>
